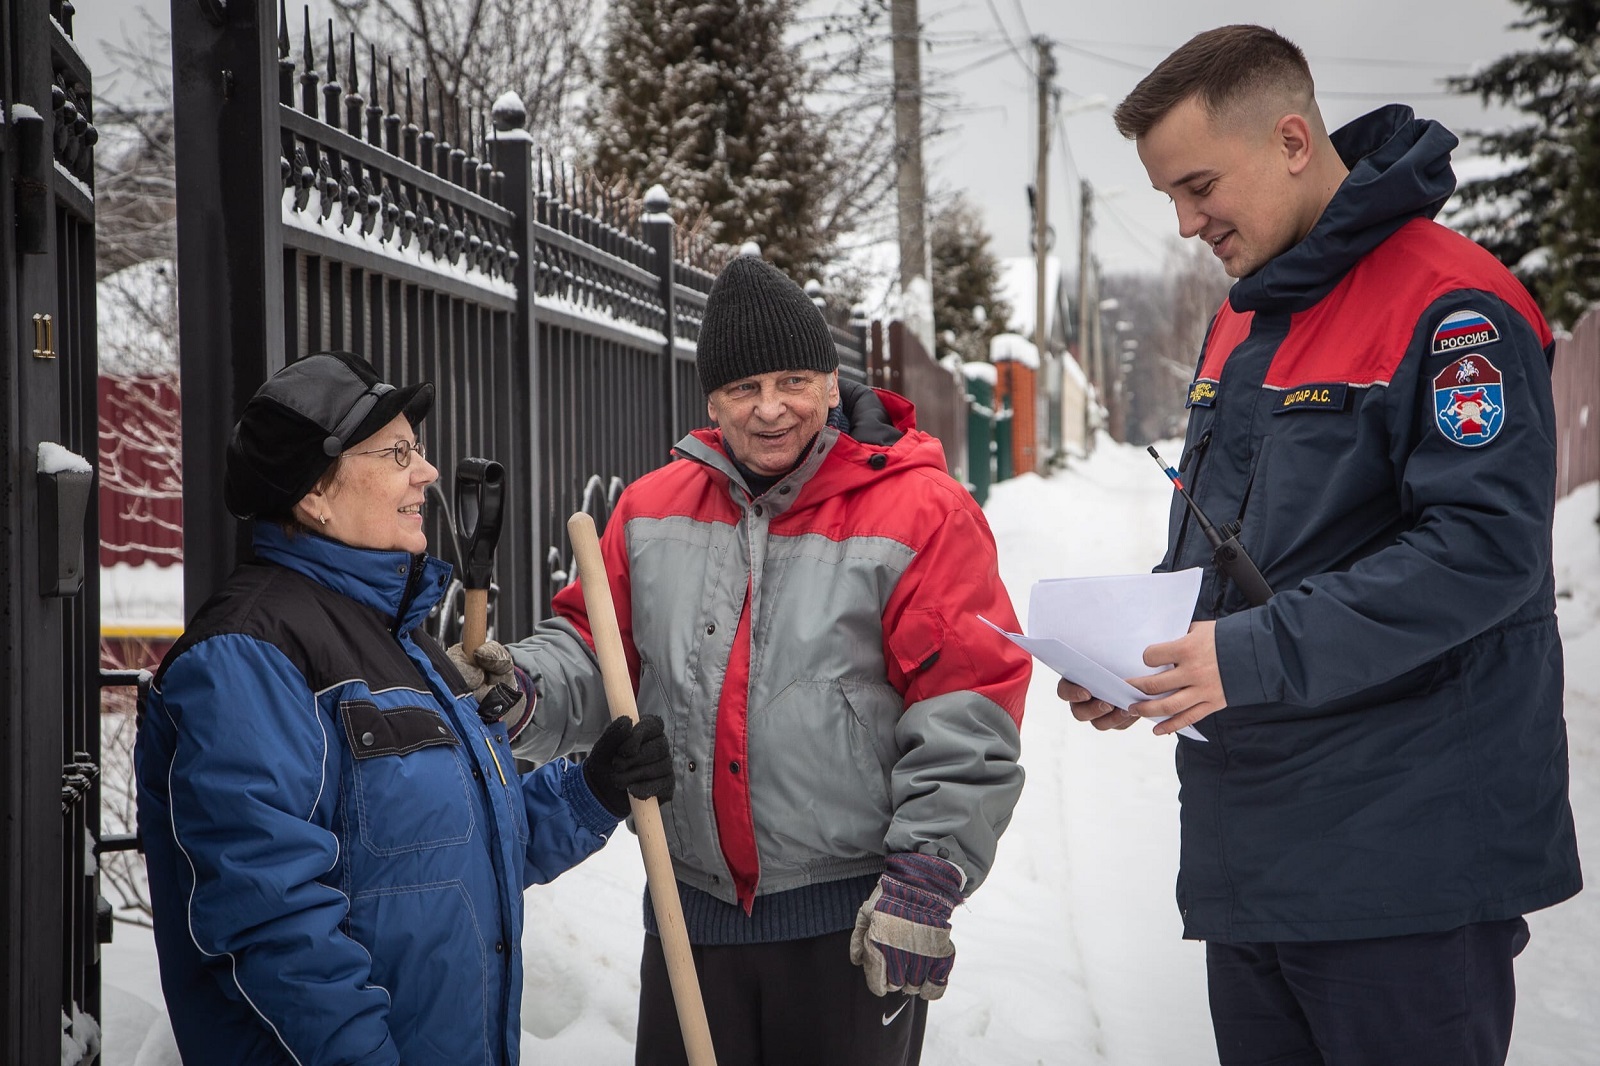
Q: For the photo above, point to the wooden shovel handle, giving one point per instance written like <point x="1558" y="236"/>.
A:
<point x="475" y="624"/>
<point x="646" y="812"/>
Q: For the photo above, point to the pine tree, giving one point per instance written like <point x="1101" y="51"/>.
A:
<point x="1542" y="215"/>
<point x="967" y="308"/>
<point x="707" y="100"/>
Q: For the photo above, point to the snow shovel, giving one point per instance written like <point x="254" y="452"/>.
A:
<point x="480" y="492"/>
<point x="646" y="812"/>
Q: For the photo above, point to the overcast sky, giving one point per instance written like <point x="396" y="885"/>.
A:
<point x="977" y="70"/>
<point x="1363" y="54"/>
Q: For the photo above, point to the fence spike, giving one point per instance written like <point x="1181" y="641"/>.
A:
<point x="333" y="60"/>
<point x="390" y="62"/>
<point x="308" y="73"/>
<point x="283" y="30"/>
<point x="331" y="91"/>
<point x="425" y="142"/>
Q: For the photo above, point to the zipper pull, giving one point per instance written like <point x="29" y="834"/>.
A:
<point x="1194" y="453"/>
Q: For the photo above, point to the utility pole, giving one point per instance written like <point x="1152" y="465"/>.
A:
<point x="909" y="187"/>
<point x="1085" y="228"/>
<point x="1041" y="203"/>
<point x="1088" y="310"/>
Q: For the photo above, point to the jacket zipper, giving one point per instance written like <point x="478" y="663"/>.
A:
<point x="413" y="581"/>
<point x="1192" y="455"/>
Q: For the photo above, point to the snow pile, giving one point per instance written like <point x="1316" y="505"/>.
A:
<point x="143" y="597"/>
<point x="1072" y="950"/>
<point x="54" y="459"/>
<point x="1013" y="348"/>
<point x="80" y="1037"/>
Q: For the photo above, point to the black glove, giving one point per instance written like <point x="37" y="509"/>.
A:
<point x="630" y="758"/>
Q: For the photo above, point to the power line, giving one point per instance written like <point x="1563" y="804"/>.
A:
<point x="1010" y="42"/>
<point x="975" y="64"/>
<point x="1023" y="15"/>
<point x="1376" y="61"/>
<point x="1116" y="215"/>
<point x="1332" y="94"/>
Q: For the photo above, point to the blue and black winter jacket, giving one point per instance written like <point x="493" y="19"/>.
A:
<point x="1374" y="407"/>
<point x="337" y="845"/>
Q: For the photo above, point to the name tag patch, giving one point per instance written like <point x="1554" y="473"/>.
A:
<point x="1468" y="402"/>
<point x="1328" y="397"/>
<point x="1202" y="394"/>
<point x="1463" y="329"/>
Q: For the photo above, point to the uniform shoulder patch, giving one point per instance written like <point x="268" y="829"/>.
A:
<point x="1202" y="393"/>
<point x="1468" y="403"/>
<point x="1463" y="329"/>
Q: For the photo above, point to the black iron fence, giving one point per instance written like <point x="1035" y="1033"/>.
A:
<point x="557" y="318"/>
<point x="50" y="931"/>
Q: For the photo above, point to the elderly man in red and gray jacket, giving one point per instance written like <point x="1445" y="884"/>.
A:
<point x="799" y="599"/>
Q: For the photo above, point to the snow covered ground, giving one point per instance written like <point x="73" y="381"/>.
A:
<point x="1071" y="953"/>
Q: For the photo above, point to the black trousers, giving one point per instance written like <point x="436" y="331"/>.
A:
<point x="1431" y="999"/>
<point x="793" y="1003"/>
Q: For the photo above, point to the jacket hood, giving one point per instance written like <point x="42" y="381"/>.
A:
<point x="1399" y="171"/>
<point x="887" y="414"/>
<point x="378" y="579"/>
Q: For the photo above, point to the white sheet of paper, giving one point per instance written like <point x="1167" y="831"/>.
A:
<point x="1094" y="629"/>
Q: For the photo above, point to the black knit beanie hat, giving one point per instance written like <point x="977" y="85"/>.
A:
<point x="757" y="320"/>
<point x="298" y="423"/>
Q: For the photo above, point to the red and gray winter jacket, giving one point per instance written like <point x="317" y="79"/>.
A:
<point x="817" y="655"/>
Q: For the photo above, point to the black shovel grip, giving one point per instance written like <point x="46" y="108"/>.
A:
<point x="480" y="499"/>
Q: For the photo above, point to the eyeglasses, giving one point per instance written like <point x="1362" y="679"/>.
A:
<point x="402" y="452"/>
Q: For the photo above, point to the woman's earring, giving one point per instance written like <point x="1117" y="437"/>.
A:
<point x="324" y="519"/>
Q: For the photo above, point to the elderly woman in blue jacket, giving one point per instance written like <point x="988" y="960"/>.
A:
<point x="336" y="834"/>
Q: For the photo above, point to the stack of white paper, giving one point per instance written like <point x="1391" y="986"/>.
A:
<point x="1094" y="630"/>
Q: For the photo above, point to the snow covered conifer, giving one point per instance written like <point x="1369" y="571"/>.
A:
<point x="966" y="281"/>
<point x="708" y="100"/>
<point x="1541" y="214"/>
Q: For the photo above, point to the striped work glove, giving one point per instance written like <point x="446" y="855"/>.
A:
<point x="902" y="934"/>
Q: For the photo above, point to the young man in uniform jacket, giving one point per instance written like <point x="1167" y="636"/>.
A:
<point x="799" y="597"/>
<point x="1383" y="791"/>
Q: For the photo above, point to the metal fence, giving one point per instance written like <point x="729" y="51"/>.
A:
<point x="557" y="320"/>
<point x="50" y="914"/>
<point x="901" y="364"/>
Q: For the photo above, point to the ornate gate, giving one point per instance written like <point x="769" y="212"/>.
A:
<point x="50" y="925"/>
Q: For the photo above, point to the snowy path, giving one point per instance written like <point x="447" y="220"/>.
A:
<point x="1071" y="953"/>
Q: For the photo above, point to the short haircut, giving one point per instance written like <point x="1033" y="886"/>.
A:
<point x="1220" y="67"/>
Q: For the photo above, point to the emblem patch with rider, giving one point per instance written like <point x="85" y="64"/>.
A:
<point x="1468" y="402"/>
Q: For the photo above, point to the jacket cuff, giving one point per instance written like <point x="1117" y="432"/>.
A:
<point x="1237" y="662"/>
<point x="519" y="716"/>
<point x="591" y="813"/>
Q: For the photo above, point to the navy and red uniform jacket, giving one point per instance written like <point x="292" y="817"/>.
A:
<point x="1374" y="406"/>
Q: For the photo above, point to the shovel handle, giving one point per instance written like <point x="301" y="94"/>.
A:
<point x="475" y="623"/>
<point x="646" y="812"/>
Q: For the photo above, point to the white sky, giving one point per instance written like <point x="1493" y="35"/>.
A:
<point x="1363" y="54"/>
